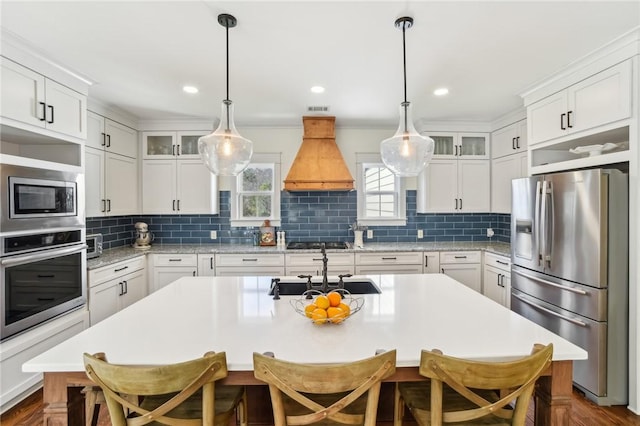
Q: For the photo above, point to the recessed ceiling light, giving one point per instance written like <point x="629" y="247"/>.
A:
<point x="190" y="89"/>
<point x="441" y="91"/>
<point x="317" y="89"/>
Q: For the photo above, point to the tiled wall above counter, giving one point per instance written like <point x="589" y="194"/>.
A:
<point x="306" y="216"/>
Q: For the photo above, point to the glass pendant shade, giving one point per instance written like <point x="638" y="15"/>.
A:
<point x="407" y="152"/>
<point x="224" y="151"/>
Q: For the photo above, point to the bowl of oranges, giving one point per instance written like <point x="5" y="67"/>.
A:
<point x="333" y="307"/>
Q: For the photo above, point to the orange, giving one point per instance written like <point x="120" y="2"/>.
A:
<point x="322" y="301"/>
<point x="334" y="298"/>
<point x="309" y="309"/>
<point x="345" y="308"/>
<point x="319" y="316"/>
<point x="336" y="315"/>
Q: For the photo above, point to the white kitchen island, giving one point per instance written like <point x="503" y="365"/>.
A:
<point x="236" y="315"/>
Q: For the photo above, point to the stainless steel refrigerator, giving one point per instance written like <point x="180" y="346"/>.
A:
<point x="569" y="250"/>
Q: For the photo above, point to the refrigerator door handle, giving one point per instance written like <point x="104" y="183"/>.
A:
<point x="536" y="222"/>
<point x="549" y="231"/>
<point x="549" y="283"/>
<point x="549" y="311"/>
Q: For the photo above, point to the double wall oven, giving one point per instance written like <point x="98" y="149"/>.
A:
<point x="42" y="246"/>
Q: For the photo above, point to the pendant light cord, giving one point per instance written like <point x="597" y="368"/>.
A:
<point x="227" y="101"/>
<point x="405" y="104"/>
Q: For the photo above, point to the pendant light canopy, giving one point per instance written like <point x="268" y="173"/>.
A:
<point x="407" y="152"/>
<point x="225" y="152"/>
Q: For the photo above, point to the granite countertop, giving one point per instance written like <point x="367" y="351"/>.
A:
<point x="118" y="254"/>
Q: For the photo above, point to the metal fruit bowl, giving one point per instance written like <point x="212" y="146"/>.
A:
<point x="299" y="304"/>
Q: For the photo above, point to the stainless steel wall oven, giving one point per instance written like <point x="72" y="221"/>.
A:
<point x="42" y="276"/>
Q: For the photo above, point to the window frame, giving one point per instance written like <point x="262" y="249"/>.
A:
<point x="364" y="161"/>
<point x="270" y="160"/>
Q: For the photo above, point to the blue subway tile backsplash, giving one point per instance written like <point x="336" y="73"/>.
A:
<point x="306" y="216"/>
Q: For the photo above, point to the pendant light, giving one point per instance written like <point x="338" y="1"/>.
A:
<point x="407" y="152"/>
<point x="224" y="151"/>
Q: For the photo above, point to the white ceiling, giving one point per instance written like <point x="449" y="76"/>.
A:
<point x="140" y="54"/>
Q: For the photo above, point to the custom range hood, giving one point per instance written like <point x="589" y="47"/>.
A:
<point x="319" y="165"/>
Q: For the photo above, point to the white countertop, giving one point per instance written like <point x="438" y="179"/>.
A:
<point x="234" y="314"/>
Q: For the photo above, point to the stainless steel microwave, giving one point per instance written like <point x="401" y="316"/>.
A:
<point x="94" y="245"/>
<point x="35" y="198"/>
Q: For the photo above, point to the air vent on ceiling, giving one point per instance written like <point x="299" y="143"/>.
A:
<point x="317" y="108"/>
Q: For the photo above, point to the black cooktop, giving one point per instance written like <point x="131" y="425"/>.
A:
<point x="311" y="245"/>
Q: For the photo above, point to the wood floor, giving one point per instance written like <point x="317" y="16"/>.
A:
<point x="583" y="413"/>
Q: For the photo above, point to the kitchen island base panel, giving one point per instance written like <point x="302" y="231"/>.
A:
<point x="63" y="403"/>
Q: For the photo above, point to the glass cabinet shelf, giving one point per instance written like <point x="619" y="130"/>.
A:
<point x="460" y="145"/>
<point x="163" y="145"/>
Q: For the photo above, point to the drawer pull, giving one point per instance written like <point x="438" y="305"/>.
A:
<point x="175" y="260"/>
<point x="502" y="263"/>
<point x="317" y="260"/>
<point x="46" y="276"/>
<point x="250" y="260"/>
<point x="460" y="257"/>
<point x="389" y="258"/>
<point x="120" y="269"/>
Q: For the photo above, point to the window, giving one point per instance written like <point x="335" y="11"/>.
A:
<point x="381" y="196"/>
<point x="255" y="196"/>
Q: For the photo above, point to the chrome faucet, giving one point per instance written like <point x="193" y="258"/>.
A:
<point x="325" y="280"/>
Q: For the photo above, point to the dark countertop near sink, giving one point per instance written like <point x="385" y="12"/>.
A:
<point x="118" y="254"/>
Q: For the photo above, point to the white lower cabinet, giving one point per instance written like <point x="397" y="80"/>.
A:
<point x="431" y="262"/>
<point x="497" y="278"/>
<point x="311" y="264"/>
<point x="114" y="287"/>
<point x="206" y="265"/>
<point x="463" y="266"/>
<point x="15" y="385"/>
<point x="249" y="264"/>
<point x="389" y="263"/>
<point x="166" y="268"/>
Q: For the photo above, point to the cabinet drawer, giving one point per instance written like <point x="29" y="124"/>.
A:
<point x="388" y="269"/>
<point x="268" y="271"/>
<point x="332" y="270"/>
<point x="116" y="270"/>
<point x="501" y="262"/>
<point x="460" y="257"/>
<point x="175" y="260"/>
<point x="248" y="260"/>
<point x="390" y="258"/>
<point x="315" y="259"/>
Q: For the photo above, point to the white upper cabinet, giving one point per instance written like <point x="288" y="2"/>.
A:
<point x="163" y="145"/>
<point x="174" y="178"/>
<point x="503" y="171"/>
<point x="111" y="136"/>
<point x="454" y="186"/>
<point x="111" y="168"/>
<point x="509" y="140"/>
<point x="31" y="99"/>
<point x="593" y="102"/>
<point x="460" y="145"/>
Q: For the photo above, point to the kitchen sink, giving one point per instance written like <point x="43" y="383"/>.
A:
<point x="297" y="287"/>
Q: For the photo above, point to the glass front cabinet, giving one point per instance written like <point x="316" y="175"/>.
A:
<point x="164" y="145"/>
<point x="460" y="145"/>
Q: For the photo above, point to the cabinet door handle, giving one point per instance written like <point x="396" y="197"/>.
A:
<point x="501" y="262"/>
<point x="211" y="262"/>
<point x="104" y="205"/>
<point x="126" y="287"/>
<point x="120" y="269"/>
<point x="562" y="121"/>
<point x="108" y="205"/>
<point x="174" y="205"/>
<point x="173" y="150"/>
<point x="426" y="261"/>
<point x="108" y="141"/>
<point x="51" y="109"/>
<point x="121" y="289"/>
<point x="104" y="139"/>
<point x="44" y="111"/>
<point x="460" y="203"/>
<point x="194" y="273"/>
<point x="456" y="203"/>
<point x="442" y="269"/>
<point x="518" y="142"/>
<point x="513" y="143"/>
<point x="569" y="119"/>
<point x="178" y="204"/>
<point x="178" y="150"/>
